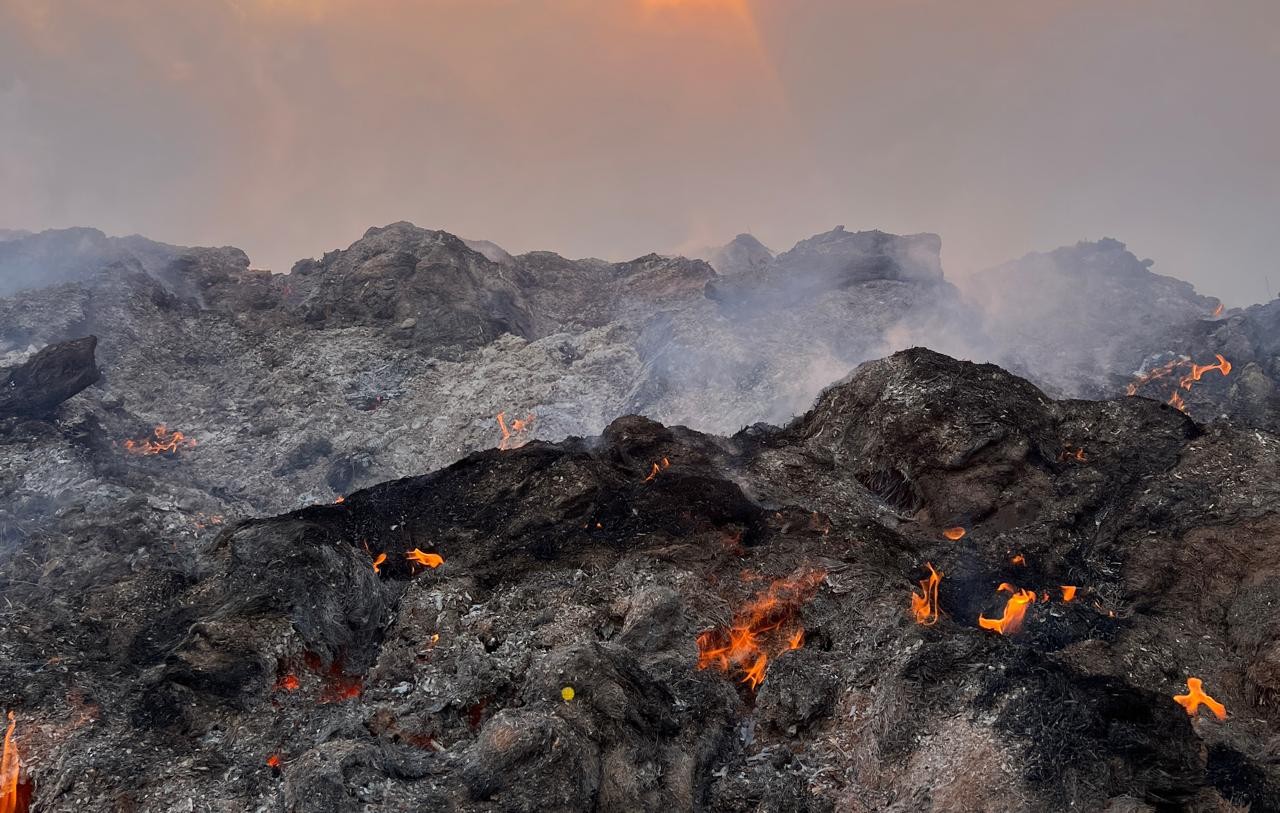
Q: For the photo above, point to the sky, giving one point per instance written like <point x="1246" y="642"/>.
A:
<point x="613" y="128"/>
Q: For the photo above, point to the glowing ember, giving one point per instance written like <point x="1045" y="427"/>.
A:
<point x="15" y="788"/>
<point x="1066" y="454"/>
<point x="1068" y="592"/>
<point x="924" y="605"/>
<point x="203" y="520"/>
<point x="954" y="533"/>
<point x="432" y="560"/>
<point x="515" y="433"/>
<point x="1196" y="696"/>
<point x="162" y="441"/>
<point x="377" y="562"/>
<point x="273" y="761"/>
<point x="288" y="683"/>
<point x="764" y="627"/>
<point x="1018" y="560"/>
<point x="1218" y="310"/>
<point x="653" y="472"/>
<point x="1015" y="609"/>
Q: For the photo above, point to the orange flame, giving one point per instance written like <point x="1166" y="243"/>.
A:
<point x="764" y="626"/>
<point x="1185" y="382"/>
<point x="796" y="641"/>
<point x="377" y="562"/>
<point x="1068" y="592"/>
<point x="273" y="761"/>
<point x="1019" y="559"/>
<point x="162" y="442"/>
<point x="431" y="560"/>
<point x="1218" y="310"/>
<point x="954" y="534"/>
<point x="289" y="683"/>
<point x="513" y="435"/>
<point x="924" y="605"/>
<point x="1195" y="696"/>
<point x="1015" y="609"/>
<point x="15" y="788"/>
<point x="658" y="468"/>
<point x="1223" y="366"/>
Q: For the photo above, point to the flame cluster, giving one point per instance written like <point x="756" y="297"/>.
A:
<point x="924" y="604"/>
<point x="162" y="441"/>
<point x="1185" y="382"/>
<point x="762" y="628"/>
<point x="657" y="468"/>
<point x="514" y="434"/>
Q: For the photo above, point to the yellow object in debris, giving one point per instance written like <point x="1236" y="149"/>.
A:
<point x="567" y="693"/>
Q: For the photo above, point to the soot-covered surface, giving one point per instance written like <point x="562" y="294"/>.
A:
<point x="552" y="660"/>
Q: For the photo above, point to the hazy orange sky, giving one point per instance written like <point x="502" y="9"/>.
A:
<point x="617" y="127"/>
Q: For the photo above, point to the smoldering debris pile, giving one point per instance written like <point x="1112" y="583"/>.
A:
<point x="938" y="588"/>
<point x="563" y="626"/>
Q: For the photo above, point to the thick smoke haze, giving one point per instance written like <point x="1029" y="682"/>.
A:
<point x="617" y="127"/>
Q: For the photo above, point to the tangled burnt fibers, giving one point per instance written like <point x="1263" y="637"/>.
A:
<point x="551" y="660"/>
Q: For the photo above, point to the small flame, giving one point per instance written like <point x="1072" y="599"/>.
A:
<point x="1218" y="310"/>
<point x="339" y="500"/>
<point x="1015" y="609"/>
<point x="431" y="560"/>
<point x="1066" y="454"/>
<point x="162" y="442"/>
<point x="1185" y="382"/>
<point x="924" y="605"/>
<point x="796" y="641"/>
<point x="653" y="472"/>
<point x="764" y="626"/>
<point x="1068" y="592"/>
<point x="377" y="562"/>
<point x="1223" y="366"/>
<point x="1019" y="559"/>
<point x="1196" y="696"/>
<point x="955" y="533"/>
<point x="15" y="788"/>
<point x="273" y="761"/>
<point x="513" y="435"/>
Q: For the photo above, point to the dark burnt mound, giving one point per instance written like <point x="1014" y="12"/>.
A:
<point x="662" y="619"/>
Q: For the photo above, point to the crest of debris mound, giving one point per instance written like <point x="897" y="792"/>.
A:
<point x="939" y="589"/>
<point x="743" y="254"/>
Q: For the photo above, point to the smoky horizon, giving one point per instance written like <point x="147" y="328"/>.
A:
<point x="616" y="129"/>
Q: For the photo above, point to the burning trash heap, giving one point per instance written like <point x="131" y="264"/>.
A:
<point x="909" y="598"/>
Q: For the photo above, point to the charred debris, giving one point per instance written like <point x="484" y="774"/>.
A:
<point x="658" y="617"/>
<point x="228" y="585"/>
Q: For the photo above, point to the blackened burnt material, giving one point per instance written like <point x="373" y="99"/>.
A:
<point x="36" y="388"/>
<point x="312" y="662"/>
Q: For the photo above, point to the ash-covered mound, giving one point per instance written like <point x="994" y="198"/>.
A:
<point x="659" y="618"/>
<point x="66" y="255"/>
<point x="1084" y="319"/>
